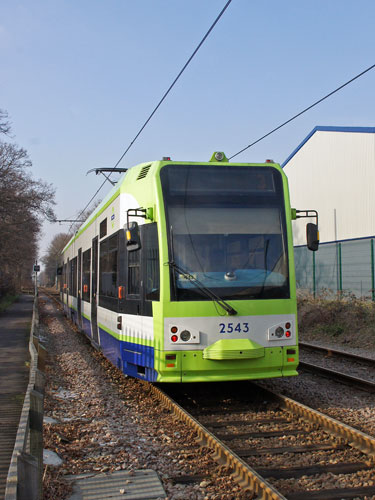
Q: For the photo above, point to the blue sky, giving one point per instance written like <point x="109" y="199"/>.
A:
<point x="78" y="79"/>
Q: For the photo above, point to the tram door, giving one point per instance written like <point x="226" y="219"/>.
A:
<point x="65" y="285"/>
<point x="94" y="289"/>
<point x="79" y="288"/>
<point x="143" y="281"/>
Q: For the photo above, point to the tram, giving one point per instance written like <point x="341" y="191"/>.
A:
<point x="185" y="272"/>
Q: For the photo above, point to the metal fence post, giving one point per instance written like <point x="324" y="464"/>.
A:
<point x="372" y="271"/>
<point x="314" y="276"/>
<point x="339" y="263"/>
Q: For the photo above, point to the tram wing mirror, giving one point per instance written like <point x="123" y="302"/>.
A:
<point x="133" y="239"/>
<point x="312" y="236"/>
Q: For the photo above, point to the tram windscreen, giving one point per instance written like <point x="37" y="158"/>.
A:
<point x="226" y="227"/>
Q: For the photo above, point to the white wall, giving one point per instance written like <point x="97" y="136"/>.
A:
<point x="334" y="173"/>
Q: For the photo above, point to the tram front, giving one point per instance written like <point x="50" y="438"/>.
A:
<point x="231" y="308"/>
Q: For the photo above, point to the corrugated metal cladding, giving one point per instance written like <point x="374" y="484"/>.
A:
<point x="333" y="172"/>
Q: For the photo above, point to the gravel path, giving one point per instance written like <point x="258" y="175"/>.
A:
<point x="106" y="422"/>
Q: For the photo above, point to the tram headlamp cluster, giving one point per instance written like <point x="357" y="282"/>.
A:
<point x="219" y="156"/>
<point x="185" y="335"/>
<point x="280" y="332"/>
<point x="180" y="335"/>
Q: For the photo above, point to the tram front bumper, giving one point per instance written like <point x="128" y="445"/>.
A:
<point x="193" y="366"/>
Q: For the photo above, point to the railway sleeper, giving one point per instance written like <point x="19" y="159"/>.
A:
<point x="265" y="434"/>
<point x="189" y="479"/>
<point x="310" y="470"/>
<point x="250" y="452"/>
<point x="239" y="423"/>
<point x="334" y="494"/>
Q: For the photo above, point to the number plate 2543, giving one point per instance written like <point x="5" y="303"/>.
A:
<point x="234" y="327"/>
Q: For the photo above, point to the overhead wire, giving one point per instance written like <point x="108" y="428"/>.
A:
<point x="161" y="101"/>
<point x="176" y="79"/>
<point x="304" y="111"/>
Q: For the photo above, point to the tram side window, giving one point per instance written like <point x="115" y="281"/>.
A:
<point x="108" y="267"/>
<point x="73" y="277"/>
<point x="134" y="264"/>
<point x="86" y="266"/>
<point x="151" y="260"/>
<point x="103" y="228"/>
<point x="68" y="282"/>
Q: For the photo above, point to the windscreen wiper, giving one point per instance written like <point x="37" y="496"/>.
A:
<point x="227" y="308"/>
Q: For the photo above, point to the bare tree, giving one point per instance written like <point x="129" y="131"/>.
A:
<point x="52" y="259"/>
<point x="53" y="256"/>
<point x="24" y="202"/>
<point x="4" y="123"/>
<point x="83" y="216"/>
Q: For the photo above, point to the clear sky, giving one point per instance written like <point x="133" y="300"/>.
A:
<point x="79" y="77"/>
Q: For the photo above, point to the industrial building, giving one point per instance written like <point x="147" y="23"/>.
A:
<point x="333" y="172"/>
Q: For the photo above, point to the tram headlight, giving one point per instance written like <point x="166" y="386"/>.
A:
<point x="279" y="332"/>
<point x="185" y="335"/>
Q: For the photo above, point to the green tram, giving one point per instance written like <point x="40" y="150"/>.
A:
<point x="185" y="272"/>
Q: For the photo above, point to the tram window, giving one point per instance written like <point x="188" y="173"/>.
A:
<point x="73" y="277"/>
<point x="134" y="262"/>
<point x="108" y="267"/>
<point x="151" y="260"/>
<point x="68" y="279"/>
<point x="103" y="228"/>
<point x="63" y="278"/>
<point x="86" y="266"/>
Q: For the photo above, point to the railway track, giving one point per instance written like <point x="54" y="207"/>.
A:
<point x="335" y="352"/>
<point x="345" y="367"/>
<point x="274" y="446"/>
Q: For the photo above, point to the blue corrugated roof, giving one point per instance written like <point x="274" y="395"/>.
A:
<point x="363" y="130"/>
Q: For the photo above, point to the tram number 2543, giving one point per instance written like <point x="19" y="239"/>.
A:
<point x="234" y="327"/>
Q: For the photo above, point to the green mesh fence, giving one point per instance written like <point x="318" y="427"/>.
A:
<point x="344" y="267"/>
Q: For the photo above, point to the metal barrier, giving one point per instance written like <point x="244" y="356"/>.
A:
<point x="342" y="267"/>
<point x="24" y="480"/>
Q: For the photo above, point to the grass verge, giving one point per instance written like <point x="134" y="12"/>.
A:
<point x="6" y="301"/>
<point x="341" y="320"/>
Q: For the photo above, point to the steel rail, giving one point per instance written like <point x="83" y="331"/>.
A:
<point x="246" y="476"/>
<point x="242" y="473"/>
<point x="357" y="439"/>
<point x="360" y="383"/>
<point x="342" y="354"/>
